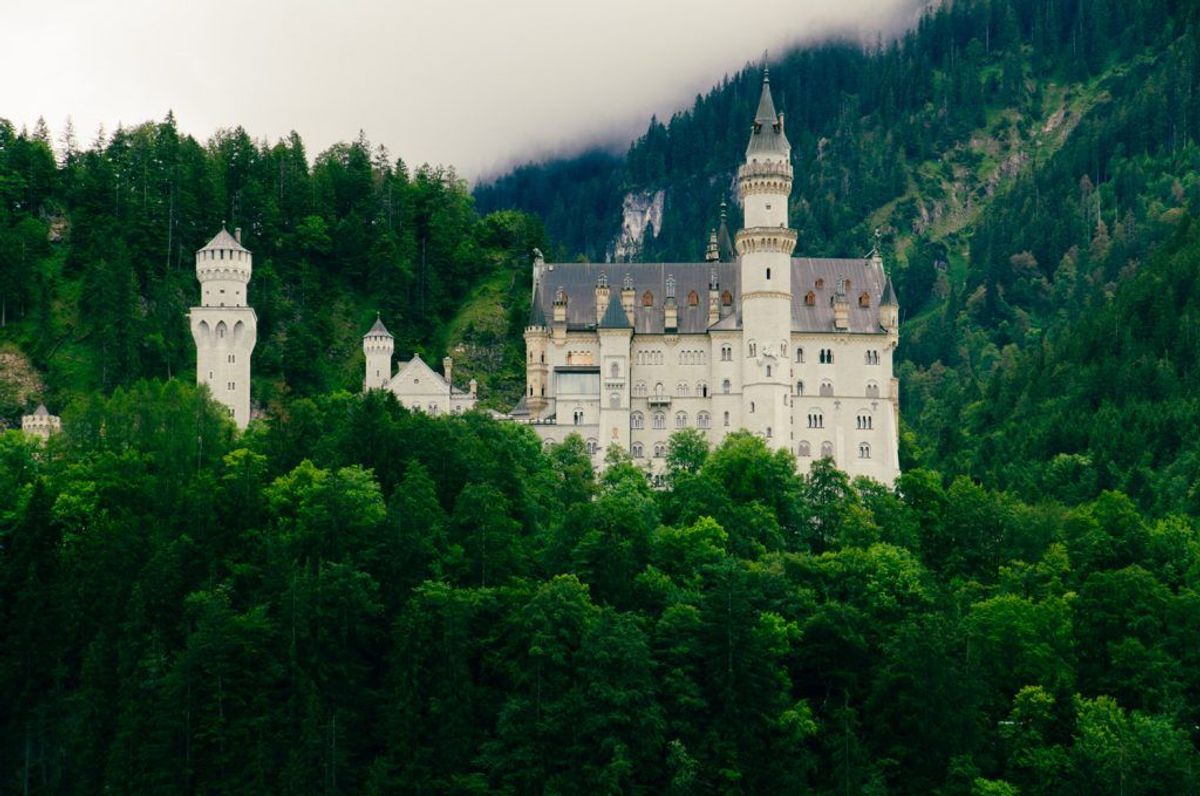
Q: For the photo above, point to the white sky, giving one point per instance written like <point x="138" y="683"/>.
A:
<point x="477" y="84"/>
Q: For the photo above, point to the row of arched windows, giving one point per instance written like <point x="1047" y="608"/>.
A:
<point x="693" y="357"/>
<point x="648" y="357"/>
<point x="804" y="450"/>
<point x="658" y="420"/>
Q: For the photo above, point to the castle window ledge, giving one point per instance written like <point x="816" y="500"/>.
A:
<point x="660" y="400"/>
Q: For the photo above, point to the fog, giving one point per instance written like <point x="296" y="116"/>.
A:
<point x="478" y="84"/>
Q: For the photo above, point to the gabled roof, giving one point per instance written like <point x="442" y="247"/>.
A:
<point x="614" y="315"/>
<point x="223" y="240"/>
<point x="378" y="328"/>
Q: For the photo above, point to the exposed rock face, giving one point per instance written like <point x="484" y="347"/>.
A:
<point x="639" y="211"/>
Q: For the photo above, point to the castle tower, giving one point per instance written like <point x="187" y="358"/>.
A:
<point x="537" y="369"/>
<point x="224" y="327"/>
<point x="765" y="246"/>
<point x="378" y="346"/>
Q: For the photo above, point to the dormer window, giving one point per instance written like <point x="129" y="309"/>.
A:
<point x="647" y="299"/>
<point x="810" y="299"/>
<point x="864" y="300"/>
<point x="820" y="284"/>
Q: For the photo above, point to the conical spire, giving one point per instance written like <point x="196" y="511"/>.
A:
<point x="724" y="243"/>
<point x="767" y="137"/>
<point x="537" y="316"/>
<point x="614" y="316"/>
<point x="766" y="103"/>
<point x="378" y="328"/>
<point x="889" y="294"/>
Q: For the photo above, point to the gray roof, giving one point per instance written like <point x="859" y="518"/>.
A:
<point x="767" y="135"/>
<point x="378" y="328"/>
<point x="578" y="280"/>
<point x="725" y="250"/>
<point x="41" y="411"/>
<point x="889" y="295"/>
<point x="614" y="316"/>
<point x="223" y="240"/>
<point x="536" y="316"/>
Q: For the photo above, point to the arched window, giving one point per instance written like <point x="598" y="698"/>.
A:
<point x="810" y="299"/>
<point x="702" y="420"/>
<point x="768" y="274"/>
<point x="816" y="420"/>
<point x="727" y="353"/>
<point x="681" y="420"/>
<point x="820" y="284"/>
<point x="614" y="371"/>
<point x="693" y="299"/>
<point x="726" y="420"/>
<point x="660" y="420"/>
<point x="639" y="389"/>
<point x="826" y="389"/>
<point x="804" y="449"/>
<point x="682" y="389"/>
<point x="658" y="390"/>
<point x="768" y="371"/>
<point x="593" y="447"/>
<point x="826" y="450"/>
<point x="864" y="450"/>
<point x="872" y="390"/>
<point x="863" y="421"/>
<point x="727" y="299"/>
<point x="637" y="421"/>
<point x="864" y="300"/>
<point x="753" y="350"/>
<point x="702" y="389"/>
<point x="647" y="299"/>
<point x="578" y="416"/>
<point x="752" y="407"/>
<point x="725" y="386"/>
<point x="800" y="356"/>
<point x="636" y="450"/>
<point x="826" y="357"/>
<point x="659" y="450"/>
<point x="768" y="432"/>
<point x="799" y="388"/>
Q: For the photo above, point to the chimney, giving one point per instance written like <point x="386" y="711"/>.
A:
<point x="628" y="297"/>
<point x="560" y="306"/>
<point x="601" y="297"/>
<point x="714" y="298"/>
<point x="237" y="234"/>
<point x="448" y="369"/>
<point x="841" y="308"/>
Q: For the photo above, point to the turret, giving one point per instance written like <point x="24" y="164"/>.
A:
<point x="448" y="370"/>
<point x="224" y="327"/>
<point x="560" y="306"/>
<point x="601" y="296"/>
<point x="628" y="297"/>
<point x="714" y="297"/>
<point x="670" y="308"/>
<point x="537" y="335"/>
<point x="889" y="308"/>
<point x="378" y="346"/>
<point x="764" y="246"/>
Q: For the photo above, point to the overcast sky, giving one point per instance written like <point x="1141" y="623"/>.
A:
<point x="474" y="83"/>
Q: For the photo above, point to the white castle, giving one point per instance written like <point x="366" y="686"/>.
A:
<point x="415" y="384"/>
<point x="224" y="327"/>
<point x="795" y="350"/>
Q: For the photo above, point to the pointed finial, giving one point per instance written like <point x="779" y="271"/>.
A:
<point x="722" y="209"/>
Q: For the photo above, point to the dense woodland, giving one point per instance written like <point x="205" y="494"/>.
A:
<point x="352" y="598"/>
<point x="349" y="598"/>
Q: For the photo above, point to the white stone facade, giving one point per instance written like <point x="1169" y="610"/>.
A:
<point x="416" y="385"/>
<point x="224" y="327"/>
<point x="796" y="350"/>
<point x="41" y="423"/>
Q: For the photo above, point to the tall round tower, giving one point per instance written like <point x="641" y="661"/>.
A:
<point x="765" y="246"/>
<point x="224" y="327"/>
<point x="378" y="345"/>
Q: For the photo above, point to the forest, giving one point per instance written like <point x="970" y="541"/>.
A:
<point x="353" y="598"/>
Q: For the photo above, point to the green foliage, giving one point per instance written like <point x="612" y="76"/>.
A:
<point x="442" y="605"/>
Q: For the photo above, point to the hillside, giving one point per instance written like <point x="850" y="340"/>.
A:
<point x="97" y="269"/>
<point x="1022" y="161"/>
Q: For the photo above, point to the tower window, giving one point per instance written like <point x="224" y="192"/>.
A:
<point x="725" y="386"/>
<point x="768" y="273"/>
<point x="864" y="450"/>
<point x="726" y="420"/>
<point x="810" y="299"/>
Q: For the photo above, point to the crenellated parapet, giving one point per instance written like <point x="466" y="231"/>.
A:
<point x="753" y="240"/>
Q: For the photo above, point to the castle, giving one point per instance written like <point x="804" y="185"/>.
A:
<point x="415" y="384"/>
<point x="795" y="350"/>
<point x="224" y="327"/>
